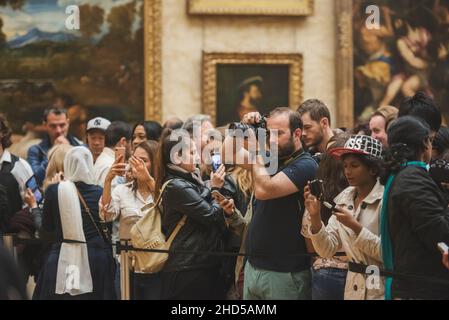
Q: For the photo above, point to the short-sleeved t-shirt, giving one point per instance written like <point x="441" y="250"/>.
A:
<point x="274" y="231"/>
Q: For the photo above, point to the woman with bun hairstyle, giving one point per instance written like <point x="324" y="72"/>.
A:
<point x="415" y="214"/>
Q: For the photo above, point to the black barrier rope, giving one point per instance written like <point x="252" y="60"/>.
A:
<point x="353" y="267"/>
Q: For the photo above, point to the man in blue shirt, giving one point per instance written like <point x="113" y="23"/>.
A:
<point x="276" y="270"/>
<point x="57" y="123"/>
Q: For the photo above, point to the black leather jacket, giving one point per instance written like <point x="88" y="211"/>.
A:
<point x="204" y="227"/>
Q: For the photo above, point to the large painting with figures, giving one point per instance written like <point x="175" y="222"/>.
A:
<point x="405" y="53"/>
<point x="96" y="70"/>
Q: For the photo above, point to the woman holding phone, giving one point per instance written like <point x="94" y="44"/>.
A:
<point x="189" y="277"/>
<point x="125" y="201"/>
<point x="354" y="226"/>
<point x="328" y="275"/>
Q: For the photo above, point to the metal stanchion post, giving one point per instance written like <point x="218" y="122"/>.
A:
<point x="124" y="272"/>
<point x="8" y="243"/>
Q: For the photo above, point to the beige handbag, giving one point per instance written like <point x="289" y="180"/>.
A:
<point x="147" y="234"/>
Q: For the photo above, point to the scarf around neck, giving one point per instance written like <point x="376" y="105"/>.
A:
<point x="386" y="244"/>
<point x="196" y="175"/>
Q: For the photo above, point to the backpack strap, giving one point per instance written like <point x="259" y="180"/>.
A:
<point x="178" y="227"/>
<point x="181" y="222"/>
<point x="155" y="204"/>
<point x="162" y="191"/>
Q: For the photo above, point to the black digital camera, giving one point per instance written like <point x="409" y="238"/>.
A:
<point x="262" y="124"/>
<point x="439" y="171"/>
<point x="317" y="189"/>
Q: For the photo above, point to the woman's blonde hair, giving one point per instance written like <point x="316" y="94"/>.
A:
<point x="244" y="180"/>
<point x="56" y="157"/>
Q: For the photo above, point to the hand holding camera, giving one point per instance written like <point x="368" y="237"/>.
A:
<point x="312" y="203"/>
<point x="251" y="122"/>
<point x="314" y="197"/>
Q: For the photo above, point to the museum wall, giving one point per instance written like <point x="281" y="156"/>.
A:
<point x="185" y="37"/>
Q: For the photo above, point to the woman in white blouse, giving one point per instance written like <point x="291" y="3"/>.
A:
<point x="125" y="201"/>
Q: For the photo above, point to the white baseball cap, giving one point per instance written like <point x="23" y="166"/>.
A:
<point x="98" y="124"/>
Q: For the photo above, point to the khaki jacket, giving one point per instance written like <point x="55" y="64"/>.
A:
<point x="363" y="249"/>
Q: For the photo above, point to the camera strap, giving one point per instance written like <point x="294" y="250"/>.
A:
<point x="292" y="158"/>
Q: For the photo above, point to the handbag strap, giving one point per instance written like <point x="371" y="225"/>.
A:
<point x="86" y="208"/>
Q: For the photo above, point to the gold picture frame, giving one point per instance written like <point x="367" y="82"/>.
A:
<point x="345" y="64"/>
<point x="153" y="63"/>
<point x="212" y="60"/>
<point x="251" y="7"/>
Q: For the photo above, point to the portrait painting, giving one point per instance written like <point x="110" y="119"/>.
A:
<point x="237" y="84"/>
<point x="96" y="70"/>
<point x="407" y="52"/>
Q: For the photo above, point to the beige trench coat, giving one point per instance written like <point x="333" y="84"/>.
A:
<point x="364" y="249"/>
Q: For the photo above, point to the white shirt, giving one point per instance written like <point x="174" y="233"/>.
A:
<point x="102" y="166"/>
<point x="21" y="171"/>
<point x="126" y="206"/>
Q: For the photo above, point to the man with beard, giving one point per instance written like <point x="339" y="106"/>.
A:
<point x="274" y="270"/>
<point x="250" y="96"/>
<point x="317" y="130"/>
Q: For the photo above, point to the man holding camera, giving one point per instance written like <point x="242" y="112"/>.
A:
<point x="277" y="268"/>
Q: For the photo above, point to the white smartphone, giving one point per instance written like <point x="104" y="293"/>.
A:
<point x="443" y="248"/>
<point x="329" y="206"/>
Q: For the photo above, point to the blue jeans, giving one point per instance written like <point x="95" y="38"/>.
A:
<point x="146" y="286"/>
<point x="328" y="284"/>
<point x="117" y="281"/>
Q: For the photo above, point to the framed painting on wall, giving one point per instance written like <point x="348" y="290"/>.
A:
<point x="109" y="67"/>
<point x="407" y="52"/>
<point x="251" y="8"/>
<point x="235" y="84"/>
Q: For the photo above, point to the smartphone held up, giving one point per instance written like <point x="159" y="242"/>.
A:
<point x="120" y="158"/>
<point x="216" y="161"/>
<point x="120" y="153"/>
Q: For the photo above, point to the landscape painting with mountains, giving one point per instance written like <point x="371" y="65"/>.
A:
<point x="100" y="67"/>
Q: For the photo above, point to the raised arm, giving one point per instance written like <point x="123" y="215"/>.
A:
<point x="182" y="197"/>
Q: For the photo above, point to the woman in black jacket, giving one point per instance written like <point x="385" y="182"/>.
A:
<point x="415" y="215"/>
<point x="188" y="276"/>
